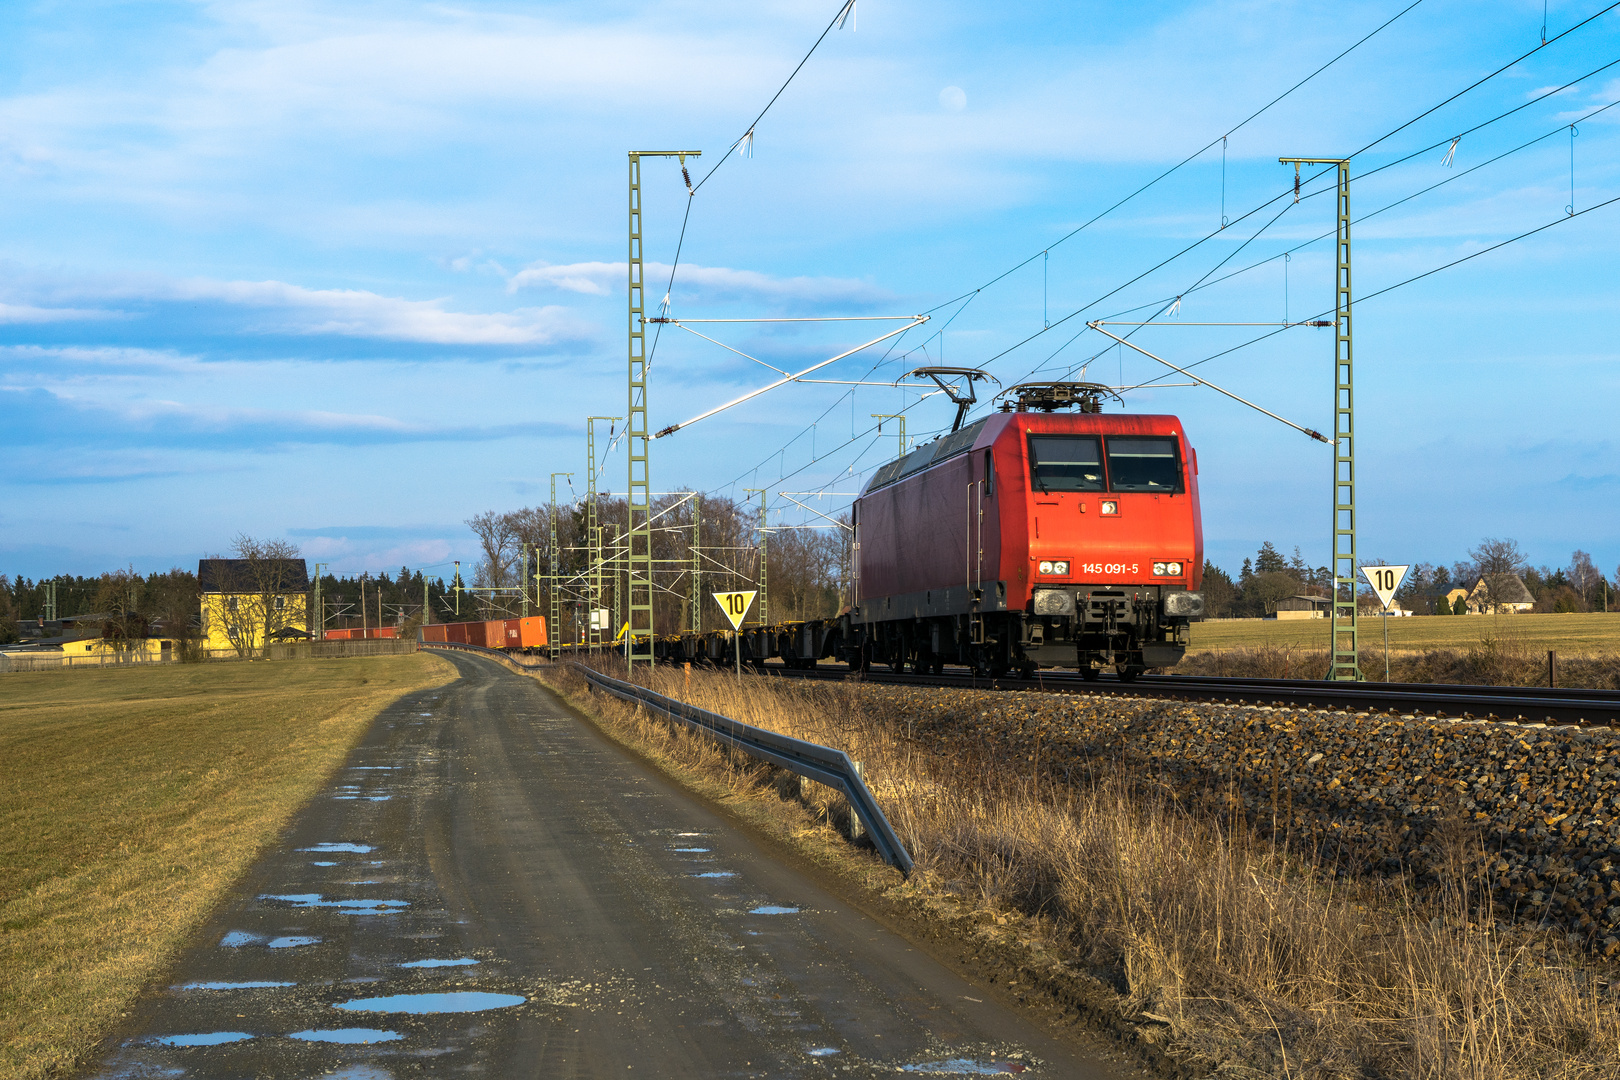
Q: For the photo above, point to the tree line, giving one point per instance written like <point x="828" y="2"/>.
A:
<point x="1269" y="577"/>
<point x="709" y="540"/>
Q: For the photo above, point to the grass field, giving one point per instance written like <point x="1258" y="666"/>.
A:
<point x="133" y="798"/>
<point x="1579" y="634"/>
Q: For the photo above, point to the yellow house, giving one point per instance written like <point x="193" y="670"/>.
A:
<point x="247" y="603"/>
<point x="117" y="651"/>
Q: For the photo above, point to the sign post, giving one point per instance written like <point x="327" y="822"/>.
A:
<point x="1384" y="581"/>
<point x="736" y="605"/>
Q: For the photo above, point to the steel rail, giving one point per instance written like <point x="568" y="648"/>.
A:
<point x="1523" y="704"/>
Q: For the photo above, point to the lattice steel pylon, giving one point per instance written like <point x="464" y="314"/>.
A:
<point x="553" y="630"/>
<point x="697" y="568"/>
<point x="764" y="566"/>
<point x="593" y="532"/>
<point x="639" y="557"/>
<point x="1343" y="652"/>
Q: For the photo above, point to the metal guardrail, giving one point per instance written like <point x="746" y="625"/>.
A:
<point x="823" y="764"/>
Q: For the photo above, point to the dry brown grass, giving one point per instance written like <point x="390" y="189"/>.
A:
<point x="134" y="798"/>
<point x="1578" y="634"/>
<point x="1236" y="956"/>
<point x="1492" y="660"/>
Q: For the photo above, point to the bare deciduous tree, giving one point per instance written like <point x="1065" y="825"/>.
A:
<point x="1496" y="562"/>
<point x="497" y="540"/>
<point x="118" y="594"/>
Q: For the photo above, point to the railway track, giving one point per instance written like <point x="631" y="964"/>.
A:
<point x="1519" y="704"/>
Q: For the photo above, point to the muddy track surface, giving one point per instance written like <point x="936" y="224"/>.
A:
<point x="491" y="887"/>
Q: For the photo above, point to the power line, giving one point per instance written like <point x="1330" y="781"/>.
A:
<point x="1184" y="161"/>
<point x="692" y="190"/>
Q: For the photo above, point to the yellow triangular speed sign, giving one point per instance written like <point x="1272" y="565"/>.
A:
<point x="735" y="605"/>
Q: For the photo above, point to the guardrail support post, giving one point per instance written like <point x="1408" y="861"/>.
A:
<point x="856" y="831"/>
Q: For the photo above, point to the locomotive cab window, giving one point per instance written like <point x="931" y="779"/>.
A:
<point x="1144" y="464"/>
<point x="1065" y="463"/>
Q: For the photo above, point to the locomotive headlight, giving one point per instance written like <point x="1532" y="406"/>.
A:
<point x="1045" y="566"/>
<point x="1061" y="567"/>
<point x="1055" y="567"/>
<point x="1166" y="569"/>
<point x="1158" y="569"/>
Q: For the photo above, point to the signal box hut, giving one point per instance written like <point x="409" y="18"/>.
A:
<point x="248" y="602"/>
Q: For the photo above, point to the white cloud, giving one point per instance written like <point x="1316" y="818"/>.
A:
<point x="14" y="314"/>
<point x="295" y="309"/>
<point x="591" y="278"/>
<point x="359" y="313"/>
<point x="703" y="282"/>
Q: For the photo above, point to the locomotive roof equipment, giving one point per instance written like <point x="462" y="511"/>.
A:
<point x="1051" y="396"/>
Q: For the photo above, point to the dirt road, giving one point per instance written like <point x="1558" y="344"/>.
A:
<point x="492" y="888"/>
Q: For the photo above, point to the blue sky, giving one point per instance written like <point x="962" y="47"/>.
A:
<point x="350" y="274"/>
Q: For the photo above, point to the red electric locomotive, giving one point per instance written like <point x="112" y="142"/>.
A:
<point x="1036" y="537"/>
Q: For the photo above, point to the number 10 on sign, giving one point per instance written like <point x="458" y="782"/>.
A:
<point x="736" y="605"/>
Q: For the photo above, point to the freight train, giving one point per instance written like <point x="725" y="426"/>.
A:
<point x="1044" y="535"/>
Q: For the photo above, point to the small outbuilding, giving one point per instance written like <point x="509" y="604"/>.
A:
<point x="1302" y="606"/>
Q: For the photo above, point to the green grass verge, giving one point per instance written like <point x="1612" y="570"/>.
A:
<point x="1578" y="634"/>
<point x="134" y="798"/>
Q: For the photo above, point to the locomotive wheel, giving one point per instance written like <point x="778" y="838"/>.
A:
<point x="939" y="666"/>
<point x="1129" y="672"/>
<point x="1026" y="671"/>
<point x="1089" y="673"/>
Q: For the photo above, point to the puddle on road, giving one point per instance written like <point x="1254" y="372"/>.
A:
<point x="261" y="985"/>
<point x="362" y="1072"/>
<point x="823" y="1051"/>
<point x="354" y="849"/>
<point x="439" y="963"/>
<point x="690" y="850"/>
<point x="343" y="907"/>
<point x="773" y="909"/>
<point x="716" y="874"/>
<point x="206" y="1038"/>
<point x="238" y="938"/>
<point x="378" y="798"/>
<point x="292" y="942"/>
<point x="347" y="1035"/>
<point x="965" y="1067"/>
<point x="455" y="1002"/>
<point x="323" y="864"/>
<point x="374" y="768"/>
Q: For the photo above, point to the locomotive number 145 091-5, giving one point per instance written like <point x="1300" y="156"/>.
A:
<point x="1111" y="568"/>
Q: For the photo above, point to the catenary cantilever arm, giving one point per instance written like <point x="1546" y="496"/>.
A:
<point x="916" y="320"/>
<point x="1317" y="435"/>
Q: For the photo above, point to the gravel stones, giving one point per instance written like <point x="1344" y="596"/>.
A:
<point x="1532" y="812"/>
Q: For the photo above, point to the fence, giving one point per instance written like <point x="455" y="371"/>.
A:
<point x="313" y="650"/>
